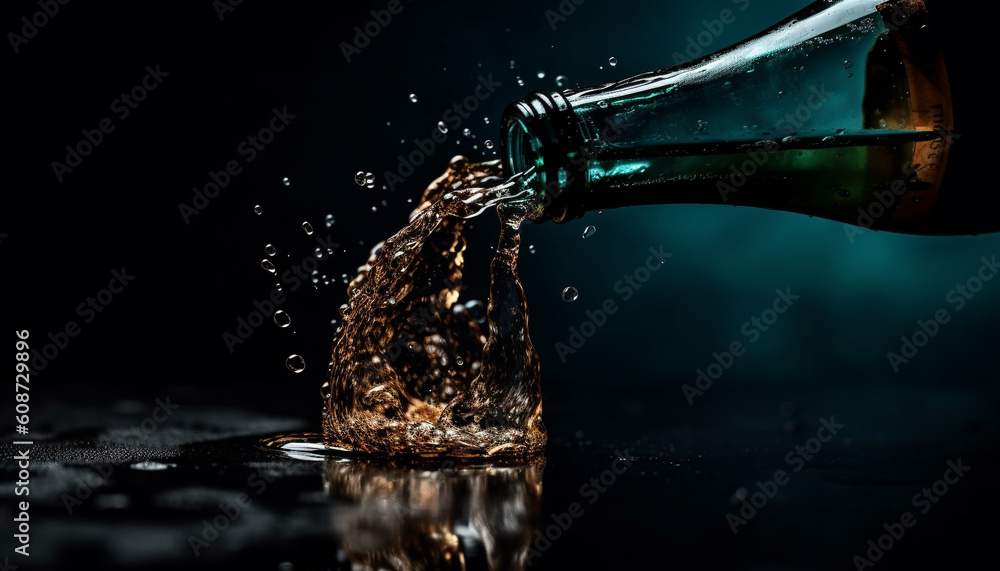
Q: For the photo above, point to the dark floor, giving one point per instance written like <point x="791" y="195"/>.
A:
<point x="680" y="472"/>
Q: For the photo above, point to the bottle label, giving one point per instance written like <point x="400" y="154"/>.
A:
<point x="931" y="103"/>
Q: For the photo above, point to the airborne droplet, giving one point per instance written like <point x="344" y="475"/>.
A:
<point x="270" y="250"/>
<point x="267" y="265"/>
<point x="286" y="182"/>
<point x="613" y="62"/>
<point x="570" y="294"/>
<point x="330" y="220"/>
<point x="258" y="210"/>
<point x="282" y="319"/>
<point x="307" y="228"/>
<point x="360" y="178"/>
<point x="589" y="231"/>
<point x="295" y="363"/>
<point x="562" y="81"/>
<point x="413" y="97"/>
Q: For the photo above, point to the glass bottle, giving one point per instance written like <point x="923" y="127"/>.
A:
<point x="843" y="111"/>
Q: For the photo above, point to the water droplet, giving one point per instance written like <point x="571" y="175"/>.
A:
<point x="841" y="131"/>
<point x="286" y="182"/>
<point x="781" y="94"/>
<point x="148" y="466"/>
<point x="512" y="64"/>
<point x="307" y="228"/>
<point x="315" y="276"/>
<point x="258" y="210"/>
<point x="345" y="310"/>
<point x="486" y="120"/>
<point x="828" y="139"/>
<point x="467" y="132"/>
<point x="325" y="392"/>
<point x="413" y="97"/>
<point x="541" y="75"/>
<point x="330" y="220"/>
<point x="360" y="178"/>
<point x="602" y="104"/>
<point x="391" y="300"/>
<point x="702" y="125"/>
<point x="562" y="81"/>
<point x="520" y="81"/>
<point x="570" y="294"/>
<point x="295" y="363"/>
<point x="459" y="361"/>
<point x="845" y="193"/>
<point x="847" y="64"/>
<point x="613" y="62"/>
<point x="282" y="319"/>
<point x="442" y="127"/>
<point x="531" y="249"/>
<point x="489" y="144"/>
<point x="589" y="231"/>
<point x="267" y="265"/>
<point x="370" y="179"/>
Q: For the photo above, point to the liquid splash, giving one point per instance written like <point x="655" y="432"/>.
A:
<point x="415" y="372"/>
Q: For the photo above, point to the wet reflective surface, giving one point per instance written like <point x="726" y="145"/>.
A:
<point x="620" y="486"/>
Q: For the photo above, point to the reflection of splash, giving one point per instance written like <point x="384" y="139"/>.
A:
<point x="416" y="372"/>
<point x="409" y="517"/>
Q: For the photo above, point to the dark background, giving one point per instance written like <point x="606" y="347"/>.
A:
<point x="164" y="334"/>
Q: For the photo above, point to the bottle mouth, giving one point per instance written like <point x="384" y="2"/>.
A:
<point x="539" y="132"/>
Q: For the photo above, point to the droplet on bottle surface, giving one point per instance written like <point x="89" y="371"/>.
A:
<point x="613" y="62"/>
<point x="562" y="81"/>
<point x="360" y="178"/>
<point x="267" y="265"/>
<point x="282" y="319"/>
<point x="413" y="97"/>
<point x="841" y="131"/>
<point x="286" y="182"/>
<point x="330" y="220"/>
<point x="258" y="210"/>
<point x="326" y="391"/>
<point x="570" y="294"/>
<point x="307" y="228"/>
<point x="442" y="127"/>
<point x="489" y="144"/>
<point x="828" y="139"/>
<point x="270" y="250"/>
<point x="702" y="125"/>
<point x="589" y="231"/>
<point x="295" y="363"/>
<point x="847" y="64"/>
<point x="602" y="104"/>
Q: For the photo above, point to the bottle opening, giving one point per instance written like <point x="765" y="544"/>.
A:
<point x="522" y="153"/>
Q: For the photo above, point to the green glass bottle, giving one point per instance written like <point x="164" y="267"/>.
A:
<point x="843" y="111"/>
